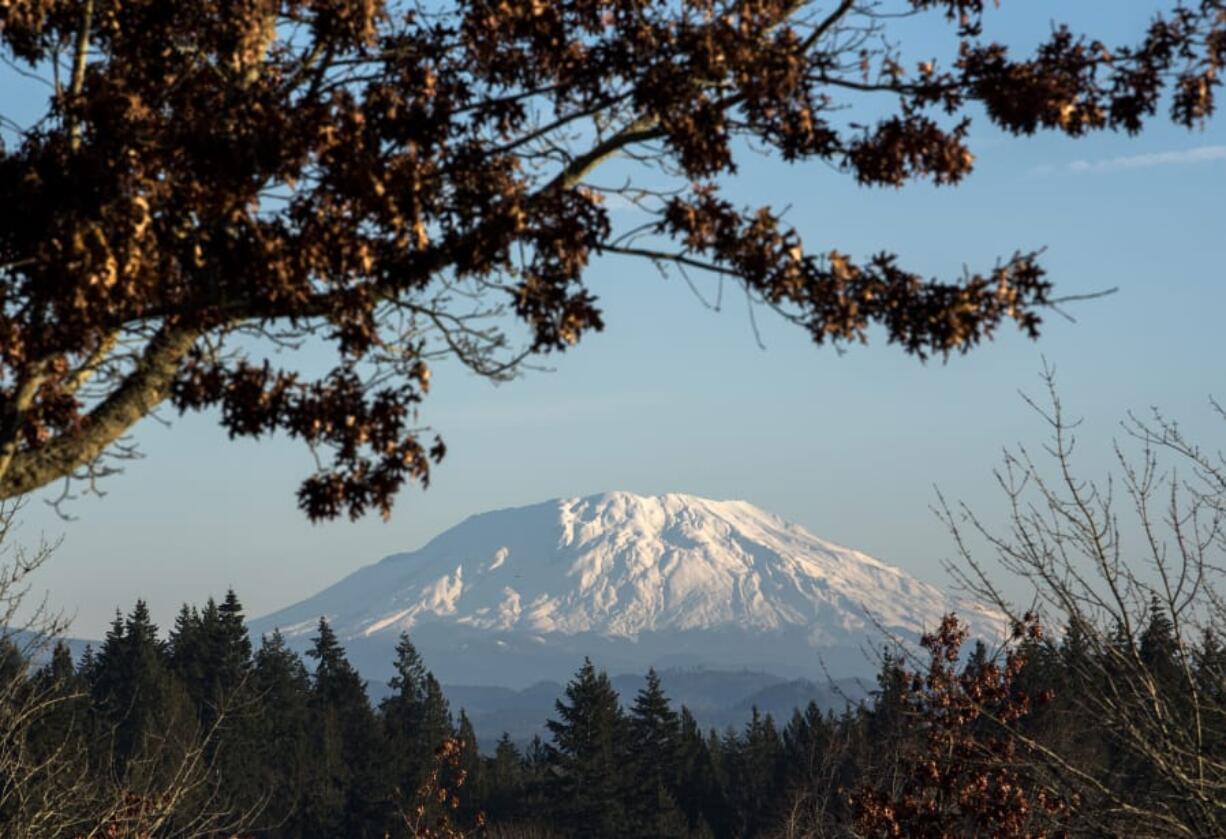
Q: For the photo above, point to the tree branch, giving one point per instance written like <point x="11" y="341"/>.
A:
<point x="80" y="57"/>
<point x="142" y="390"/>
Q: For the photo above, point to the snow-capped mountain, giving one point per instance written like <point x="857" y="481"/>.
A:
<point x="517" y="595"/>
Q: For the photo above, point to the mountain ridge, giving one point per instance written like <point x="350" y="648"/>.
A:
<point x="717" y="700"/>
<point x="635" y="580"/>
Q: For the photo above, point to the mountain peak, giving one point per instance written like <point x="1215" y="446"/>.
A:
<point x="630" y="569"/>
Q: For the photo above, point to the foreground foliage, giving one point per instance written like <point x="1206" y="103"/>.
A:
<point x="959" y="745"/>
<point x="210" y="185"/>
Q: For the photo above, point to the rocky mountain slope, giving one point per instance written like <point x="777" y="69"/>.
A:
<point x="515" y="596"/>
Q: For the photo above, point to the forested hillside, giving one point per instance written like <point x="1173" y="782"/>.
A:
<point x="286" y="747"/>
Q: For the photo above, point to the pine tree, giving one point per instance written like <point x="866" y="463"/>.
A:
<point x="233" y="647"/>
<point x="409" y="680"/>
<point x="403" y="715"/>
<point x="14" y="671"/>
<point x="1157" y="653"/>
<point x="183" y="647"/>
<point x="353" y="795"/>
<point x="538" y="782"/>
<point x="1074" y="646"/>
<point x="64" y="693"/>
<point x="979" y="659"/>
<point x="415" y="720"/>
<point x="1157" y="644"/>
<point x="145" y="710"/>
<point x="230" y="712"/>
<point x="505" y="782"/>
<point x="887" y="719"/>
<point x="472" y="791"/>
<point x="210" y="651"/>
<point x="754" y="775"/>
<point x="87" y="666"/>
<point x="1210" y="665"/>
<point x="654" y="741"/>
<point x="283" y="753"/>
<point x="1210" y="671"/>
<point x="805" y="739"/>
<point x="699" y="793"/>
<point x="723" y="750"/>
<point x="436" y="723"/>
<point x="44" y="746"/>
<point x="587" y="757"/>
<point x="61" y="668"/>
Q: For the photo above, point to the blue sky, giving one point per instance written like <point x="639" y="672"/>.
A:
<point x="673" y="397"/>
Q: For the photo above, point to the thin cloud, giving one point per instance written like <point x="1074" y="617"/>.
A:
<point x="1200" y="154"/>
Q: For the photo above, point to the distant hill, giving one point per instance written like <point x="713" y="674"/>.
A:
<point x="717" y="698"/>
<point x="40" y="648"/>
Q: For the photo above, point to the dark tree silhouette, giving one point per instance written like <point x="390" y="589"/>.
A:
<point x="408" y="183"/>
<point x="588" y="755"/>
<point x="955" y="745"/>
<point x="654" y="736"/>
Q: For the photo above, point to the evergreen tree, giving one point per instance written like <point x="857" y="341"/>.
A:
<point x="230" y="650"/>
<point x="1210" y="670"/>
<point x="537" y="756"/>
<point x="1159" y="670"/>
<point x="283" y="755"/>
<point x="88" y="665"/>
<point x="723" y="750"/>
<point x="802" y="736"/>
<point x="64" y="694"/>
<point x="887" y="721"/>
<point x="403" y="715"/>
<point x="812" y="767"/>
<point x="352" y="794"/>
<point x="146" y="716"/>
<point x="1044" y="674"/>
<point x="1069" y="720"/>
<point x="978" y="661"/>
<point x="44" y="746"/>
<point x="472" y="790"/>
<point x="534" y="804"/>
<point x="1074" y="647"/>
<point x="1157" y="644"/>
<point x="233" y="704"/>
<point x="654" y="743"/>
<point x="1210" y="665"/>
<point x="699" y="792"/>
<point x="416" y="720"/>
<point x="754" y="776"/>
<point x="210" y="651"/>
<point x="14" y="669"/>
<point x="587" y="757"/>
<point x="183" y="647"/>
<point x="505" y="782"/>
<point x="409" y="680"/>
<point x="310" y="748"/>
<point x="435" y="719"/>
<point x="61" y="669"/>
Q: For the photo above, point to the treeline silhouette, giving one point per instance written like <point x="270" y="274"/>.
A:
<point x="299" y="747"/>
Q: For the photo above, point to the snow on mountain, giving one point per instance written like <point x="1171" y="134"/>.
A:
<point x="637" y="580"/>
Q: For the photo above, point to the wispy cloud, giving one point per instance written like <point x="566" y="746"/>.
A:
<point x="1200" y="154"/>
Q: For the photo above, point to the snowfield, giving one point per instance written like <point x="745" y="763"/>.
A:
<point x="641" y="577"/>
